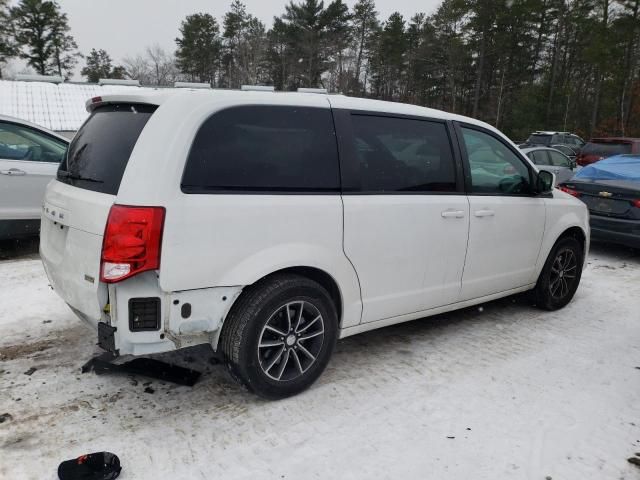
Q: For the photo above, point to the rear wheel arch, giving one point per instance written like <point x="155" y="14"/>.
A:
<point x="321" y="277"/>
<point x="240" y="335"/>
<point x="324" y="279"/>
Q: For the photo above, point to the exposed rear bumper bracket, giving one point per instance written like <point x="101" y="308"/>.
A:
<point x="143" y="366"/>
<point x="106" y="338"/>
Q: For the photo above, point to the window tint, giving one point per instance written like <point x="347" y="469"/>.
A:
<point x="539" y="157"/>
<point x="494" y="167"/>
<point x="264" y="148"/>
<point x="539" y="139"/>
<point x="100" y="151"/>
<point x="559" y="160"/>
<point x="18" y="142"/>
<point x="564" y="149"/>
<point x="557" y="139"/>
<point x="606" y="149"/>
<point x="397" y="154"/>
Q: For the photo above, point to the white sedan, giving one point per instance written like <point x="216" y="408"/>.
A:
<point x="29" y="158"/>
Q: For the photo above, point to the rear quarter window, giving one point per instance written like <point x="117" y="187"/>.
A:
<point x="539" y="139"/>
<point x="264" y="149"/>
<point x="606" y="149"/>
<point x="100" y="151"/>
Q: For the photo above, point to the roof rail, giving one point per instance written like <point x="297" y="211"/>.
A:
<point x="257" y="88"/>
<point x="312" y="90"/>
<point x="191" y="85"/>
<point x="39" y="78"/>
<point x="114" y="81"/>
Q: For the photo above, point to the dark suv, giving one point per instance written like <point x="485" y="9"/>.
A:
<point x="547" y="139"/>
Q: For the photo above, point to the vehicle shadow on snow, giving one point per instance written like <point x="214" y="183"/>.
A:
<point x="618" y="252"/>
<point x="390" y="352"/>
<point x="19" y="248"/>
<point x="414" y="346"/>
<point x="429" y="350"/>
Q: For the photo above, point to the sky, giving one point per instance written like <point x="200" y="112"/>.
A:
<point x="125" y="27"/>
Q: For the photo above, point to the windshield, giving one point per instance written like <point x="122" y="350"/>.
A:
<point x="100" y="151"/>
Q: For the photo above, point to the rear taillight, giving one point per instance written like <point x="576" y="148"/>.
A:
<point x="636" y="203"/>
<point x="570" y="191"/>
<point x="131" y="243"/>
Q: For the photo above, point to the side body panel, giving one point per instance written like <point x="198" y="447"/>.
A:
<point x="228" y="240"/>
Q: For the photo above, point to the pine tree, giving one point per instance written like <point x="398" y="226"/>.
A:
<point x="65" y="55"/>
<point x="42" y="34"/>
<point x="365" y="24"/>
<point x="244" y="46"/>
<point x="8" y="48"/>
<point x="337" y="37"/>
<point x="199" y="48"/>
<point x="99" y="66"/>
<point x="388" y="63"/>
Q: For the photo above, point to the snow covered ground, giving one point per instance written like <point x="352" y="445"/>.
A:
<point x="503" y="391"/>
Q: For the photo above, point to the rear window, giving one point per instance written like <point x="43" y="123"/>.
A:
<point x="100" y="151"/>
<point x="606" y="149"/>
<point x="264" y="149"/>
<point x="539" y="139"/>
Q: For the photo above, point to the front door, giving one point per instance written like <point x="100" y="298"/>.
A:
<point x="28" y="161"/>
<point x="405" y="214"/>
<point x="506" y="220"/>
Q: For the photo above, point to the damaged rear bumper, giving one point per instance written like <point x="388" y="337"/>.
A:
<point x="140" y="319"/>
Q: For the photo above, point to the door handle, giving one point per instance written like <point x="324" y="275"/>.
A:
<point x="484" y="213"/>
<point x="452" y="214"/>
<point x="13" y="172"/>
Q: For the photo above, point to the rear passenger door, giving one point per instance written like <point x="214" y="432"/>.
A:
<point x="507" y="219"/>
<point x="561" y="166"/>
<point x="405" y="214"/>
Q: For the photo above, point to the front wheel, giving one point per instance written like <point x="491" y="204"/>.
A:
<point x="560" y="275"/>
<point x="279" y="336"/>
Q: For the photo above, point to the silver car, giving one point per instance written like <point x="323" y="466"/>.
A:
<point x="29" y="159"/>
<point x="553" y="161"/>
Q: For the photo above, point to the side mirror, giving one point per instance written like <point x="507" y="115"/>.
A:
<point x="545" y="181"/>
<point x="573" y="164"/>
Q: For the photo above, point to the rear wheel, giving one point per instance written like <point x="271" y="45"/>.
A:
<point x="561" y="275"/>
<point x="279" y="336"/>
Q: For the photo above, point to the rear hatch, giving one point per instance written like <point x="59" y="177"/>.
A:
<point x="600" y="148"/>
<point x="77" y="203"/>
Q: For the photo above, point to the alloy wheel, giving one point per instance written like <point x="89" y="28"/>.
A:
<point x="291" y="340"/>
<point x="564" y="272"/>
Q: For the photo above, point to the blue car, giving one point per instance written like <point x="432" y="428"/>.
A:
<point x="611" y="190"/>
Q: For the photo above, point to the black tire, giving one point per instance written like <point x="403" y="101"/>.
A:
<point x="558" y="282"/>
<point x="245" y="328"/>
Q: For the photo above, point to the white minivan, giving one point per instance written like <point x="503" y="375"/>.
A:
<point x="269" y="225"/>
